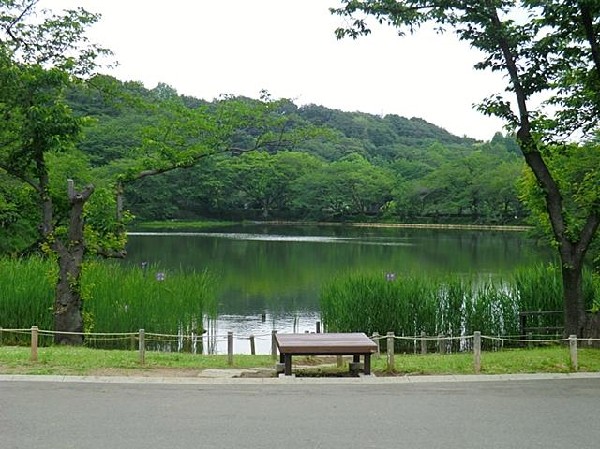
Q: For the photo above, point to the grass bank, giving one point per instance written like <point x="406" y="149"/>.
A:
<point x="178" y="225"/>
<point x="86" y="361"/>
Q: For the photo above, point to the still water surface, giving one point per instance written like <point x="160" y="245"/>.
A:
<point x="270" y="276"/>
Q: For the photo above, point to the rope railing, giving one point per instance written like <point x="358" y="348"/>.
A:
<point x="147" y="339"/>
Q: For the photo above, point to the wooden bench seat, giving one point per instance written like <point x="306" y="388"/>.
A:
<point x="354" y="344"/>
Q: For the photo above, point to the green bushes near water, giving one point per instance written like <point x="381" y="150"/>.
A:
<point x="116" y="298"/>
<point x="446" y="304"/>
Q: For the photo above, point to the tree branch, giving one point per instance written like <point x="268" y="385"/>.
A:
<point x="588" y="26"/>
<point x="530" y="148"/>
<point x="22" y="178"/>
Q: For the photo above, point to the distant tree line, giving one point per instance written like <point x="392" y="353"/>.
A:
<point x="360" y="167"/>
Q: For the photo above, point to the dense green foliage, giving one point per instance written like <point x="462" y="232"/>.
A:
<point x="73" y="144"/>
<point x="549" y="54"/>
<point x="116" y="298"/>
<point x="451" y="306"/>
<point x="357" y="167"/>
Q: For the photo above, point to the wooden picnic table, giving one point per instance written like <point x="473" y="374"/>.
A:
<point x="354" y="344"/>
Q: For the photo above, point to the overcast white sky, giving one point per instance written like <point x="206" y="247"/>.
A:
<point x="205" y="48"/>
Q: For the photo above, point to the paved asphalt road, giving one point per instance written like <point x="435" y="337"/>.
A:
<point x="520" y="414"/>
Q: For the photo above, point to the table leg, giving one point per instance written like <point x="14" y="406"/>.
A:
<point x="367" y="364"/>
<point x="287" y="370"/>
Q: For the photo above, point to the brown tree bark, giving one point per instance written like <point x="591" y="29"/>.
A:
<point x="571" y="249"/>
<point x="68" y="302"/>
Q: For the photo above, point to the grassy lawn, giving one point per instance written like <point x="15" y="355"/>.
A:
<point x="85" y="361"/>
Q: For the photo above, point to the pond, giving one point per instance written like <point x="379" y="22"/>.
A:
<point x="270" y="276"/>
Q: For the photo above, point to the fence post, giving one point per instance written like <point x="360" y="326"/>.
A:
<point x="0" y="335"/>
<point x="274" y="345"/>
<point x="530" y="340"/>
<point x="376" y="340"/>
<point x="441" y="344"/>
<point x="477" y="351"/>
<point x="573" y="350"/>
<point x="252" y="345"/>
<point x="142" y="346"/>
<point x="423" y="343"/>
<point x="318" y="327"/>
<point x="230" y="348"/>
<point x="390" y="351"/>
<point x="523" y="326"/>
<point x="34" y="343"/>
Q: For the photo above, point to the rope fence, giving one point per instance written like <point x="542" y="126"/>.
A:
<point x="467" y="343"/>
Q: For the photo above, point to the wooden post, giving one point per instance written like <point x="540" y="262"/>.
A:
<point x="522" y="326"/>
<point x="34" y="343"/>
<point x="423" y="343"/>
<point x="318" y="327"/>
<point x="200" y="344"/>
<point x="274" y="345"/>
<point x="0" y="335"/>
<point x="142" y="346"/>
<point x="477" y="351"/>
<point x="530" y="340"/>
<point x="252" y="345"/>
<point x="70" y="188"/>
<point x="441" y="344"/>
<point x="573" y="351"/>
<point x="376" y="340"/>
<point x="230" y="348"/>
<point x="390" y="351"/>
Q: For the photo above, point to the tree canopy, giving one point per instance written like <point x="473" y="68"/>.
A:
<point x="548" y="50"/>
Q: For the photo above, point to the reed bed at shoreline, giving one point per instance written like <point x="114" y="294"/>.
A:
<point x="116" y="298"/>
<point x="123" y="299"/>
<point x="453" y="306"/>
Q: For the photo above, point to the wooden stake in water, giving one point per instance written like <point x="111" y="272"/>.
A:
<point x="252" y="345"/>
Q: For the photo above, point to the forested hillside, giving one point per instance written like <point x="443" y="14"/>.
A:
<point x="358" y="167"/>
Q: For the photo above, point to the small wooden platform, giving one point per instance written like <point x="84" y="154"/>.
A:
<point x="354" y="344"/>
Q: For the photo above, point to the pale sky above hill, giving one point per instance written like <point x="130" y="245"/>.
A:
<point x="205" y="48"/>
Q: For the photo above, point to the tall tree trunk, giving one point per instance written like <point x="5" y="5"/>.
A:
<point x="68" y="302"/>
<point x="574" y="306"/>
<point x="572" y="249"/>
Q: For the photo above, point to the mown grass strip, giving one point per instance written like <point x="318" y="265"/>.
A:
<point x="85" y="361"/>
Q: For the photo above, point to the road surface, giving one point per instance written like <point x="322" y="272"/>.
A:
<point x="493" y="414"/>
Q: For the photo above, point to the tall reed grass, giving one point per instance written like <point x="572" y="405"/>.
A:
<point x="116" y="298"/>
<point x="26" y="293"/>
<point x="445" y="304"/>
<point x="123" y="299"/>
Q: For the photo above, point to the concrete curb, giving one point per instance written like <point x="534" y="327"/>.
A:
<point x="226" y="379"/>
